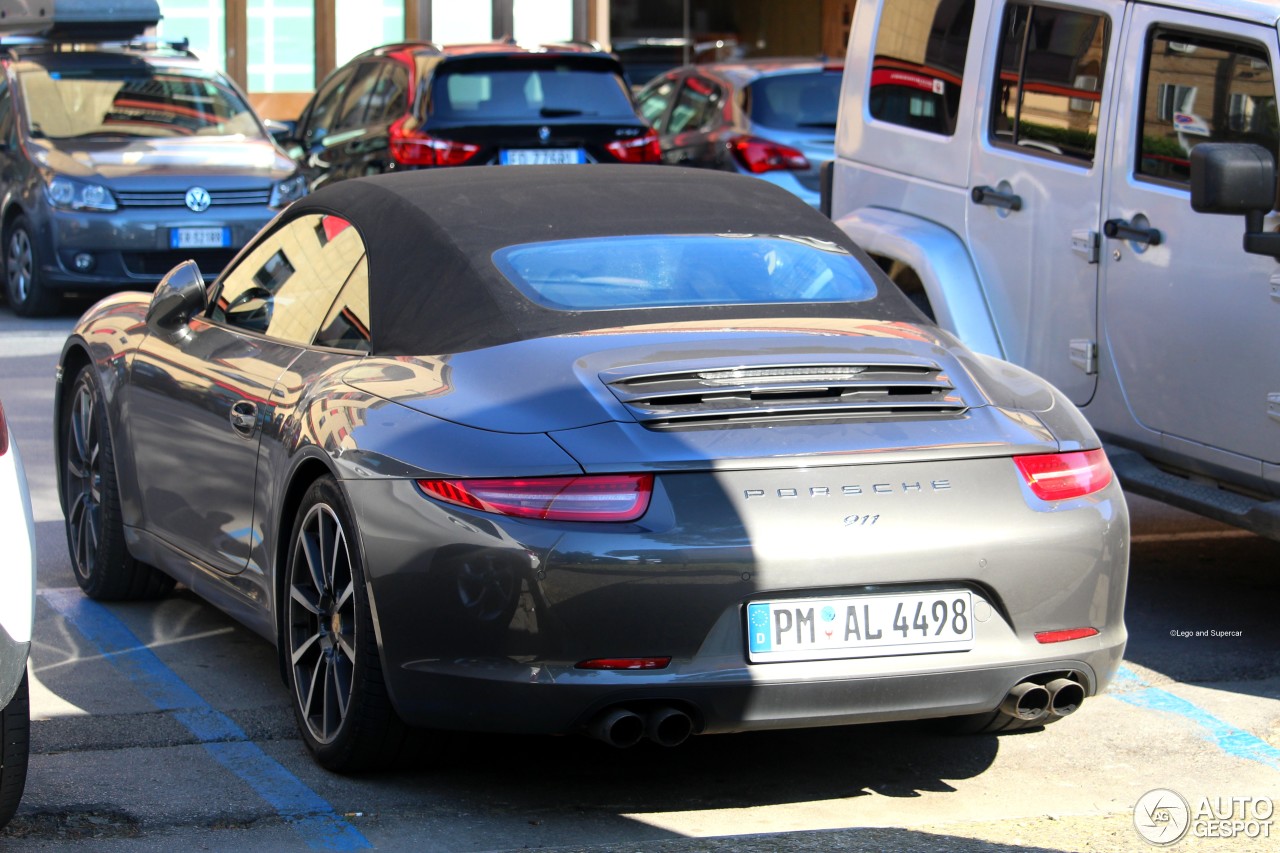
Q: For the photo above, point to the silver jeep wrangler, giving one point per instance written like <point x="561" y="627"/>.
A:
<point x="1043" y="179"/>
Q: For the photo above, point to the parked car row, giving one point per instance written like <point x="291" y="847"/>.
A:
<point x="121" y="161"/>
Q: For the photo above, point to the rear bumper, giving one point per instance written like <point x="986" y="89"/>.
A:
<point x="482" y="620"/>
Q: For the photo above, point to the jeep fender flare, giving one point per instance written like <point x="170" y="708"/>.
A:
<point x="941" y="260"/>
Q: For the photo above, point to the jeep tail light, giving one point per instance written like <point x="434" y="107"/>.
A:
<point x="760" y="155"/>
<point x="606" y="497"/>
<point x="641" y="149"/>
<point x="1059" y="476"/>
<point x="421" y="149"/>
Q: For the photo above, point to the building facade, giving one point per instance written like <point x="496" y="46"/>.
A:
<point x="279" y="50"/>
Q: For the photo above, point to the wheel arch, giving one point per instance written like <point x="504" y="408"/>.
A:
<point x="305" y="473"/>
<point x="941" y="261"/>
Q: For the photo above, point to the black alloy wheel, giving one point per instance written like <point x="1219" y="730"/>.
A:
<point x="340" y="699"/>
<point x="91" y="503"/>
<point x="27" y="294"/>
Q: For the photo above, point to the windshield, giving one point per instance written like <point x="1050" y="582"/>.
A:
<point x="796" y="101"/>
<point x="650" y="271"/>
<point x="86" y="102"/>
<point x="530" y="92"/>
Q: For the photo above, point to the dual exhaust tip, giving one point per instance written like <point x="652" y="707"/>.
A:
<point x="623" y="727"/>
<point x="1030" y="701"/>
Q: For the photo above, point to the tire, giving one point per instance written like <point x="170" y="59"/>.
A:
<point x="95" y="533"/>
<point x="24" y="286"/>
<point x="15" y="741"/>
<point x="340" y="699"/>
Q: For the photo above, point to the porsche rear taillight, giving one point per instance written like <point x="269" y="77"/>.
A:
<point x="760" y="155"/>
<point x="604" y="497"/>
<point x="1059" y="476"/>
<point x="422" y="149"/>
<point x="642" y="149"/>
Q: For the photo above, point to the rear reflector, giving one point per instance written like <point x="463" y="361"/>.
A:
<point x="1059" y="476"/>
<point x="606" y="497"/>
<point x="1063" y="636"/>
<point x="625" y="663"/>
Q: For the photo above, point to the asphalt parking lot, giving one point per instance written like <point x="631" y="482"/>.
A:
<point x="164" y="725"/>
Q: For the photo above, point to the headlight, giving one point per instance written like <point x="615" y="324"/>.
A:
<point x="288" y="190"/>
<point x="70" y="194"/>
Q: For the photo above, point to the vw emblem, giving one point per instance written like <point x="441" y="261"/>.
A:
<point x="198" y="199"/>
<point x="544" y="134"/>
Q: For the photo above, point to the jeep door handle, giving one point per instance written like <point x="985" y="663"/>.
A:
<point x="1121" y="229"/>
<point x="244" y="417"/>
<point x="994" y="198"/>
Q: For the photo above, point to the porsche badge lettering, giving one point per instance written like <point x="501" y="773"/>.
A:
<point x="850" y="491"/>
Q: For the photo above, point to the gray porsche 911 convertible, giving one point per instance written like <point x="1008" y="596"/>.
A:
<point x="634" y="452"/>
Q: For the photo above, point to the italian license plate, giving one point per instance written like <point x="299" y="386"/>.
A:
<point x="199" y="238"/>
<point x="541" y="156"/>
<point x="859" y="626"/>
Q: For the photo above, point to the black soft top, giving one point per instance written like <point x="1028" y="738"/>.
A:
<point x="430" y="237"/>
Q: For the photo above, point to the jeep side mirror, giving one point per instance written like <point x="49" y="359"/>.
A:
<point x="1240" y="178"/>
<point x="179" y="296"/>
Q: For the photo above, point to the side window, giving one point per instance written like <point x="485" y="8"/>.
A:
<point x="287" y="284"/>
<point x="654" y="100"/>
<point x="347" y="324"/>
<point x="1199" y="89"/>
<point x="697" y="108"/>
<point x="390" y="97"/>
<point x="918" y="70"/>
<point x="325" y="108"/>
<point x="361" y="93"/>
<point x="1048" y="87"/>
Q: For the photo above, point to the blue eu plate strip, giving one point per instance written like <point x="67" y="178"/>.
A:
<point x="303" y="809"/>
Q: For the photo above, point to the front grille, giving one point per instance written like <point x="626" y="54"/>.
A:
<point x="786" y="392"/>
<point x="210" y="261"/>
<point x="178" y="198"/>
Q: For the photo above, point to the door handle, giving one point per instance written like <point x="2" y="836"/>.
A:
<point x="1121" y="229"/>
<point x="244" y="417"/>
<point x="992" y="197"/>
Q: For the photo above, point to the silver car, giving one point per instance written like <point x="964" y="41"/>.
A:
<point x="628" y="451"/>
<point x="117" y="163"/>
<point x="17" y="611"/>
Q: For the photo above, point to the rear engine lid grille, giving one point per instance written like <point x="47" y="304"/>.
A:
<point x="786" y="392"/>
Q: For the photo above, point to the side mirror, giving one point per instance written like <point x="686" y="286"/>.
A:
<point x="1239" y="178"/>
<point x="281" y="131"/>
<point x="179" y="296"/>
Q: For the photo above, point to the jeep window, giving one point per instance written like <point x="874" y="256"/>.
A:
<point x="1048" y="89"/>
<point x="1199" y="89"/>
<point x="918" y="68"/>
<point x="81" y="102"/>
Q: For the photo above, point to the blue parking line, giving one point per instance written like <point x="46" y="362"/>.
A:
<point x="1129" y="687"/>
<point x="303" y="809"/>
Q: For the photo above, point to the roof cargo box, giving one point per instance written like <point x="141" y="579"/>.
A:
<point x="78" y="20"/>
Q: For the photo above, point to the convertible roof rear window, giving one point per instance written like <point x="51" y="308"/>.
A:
<point x="665" y="270"/>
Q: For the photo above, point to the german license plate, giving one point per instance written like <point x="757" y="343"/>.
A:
<point x="199" y="238"/>
<point x="541" y="156"/>
<point x="859" y="626"/>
